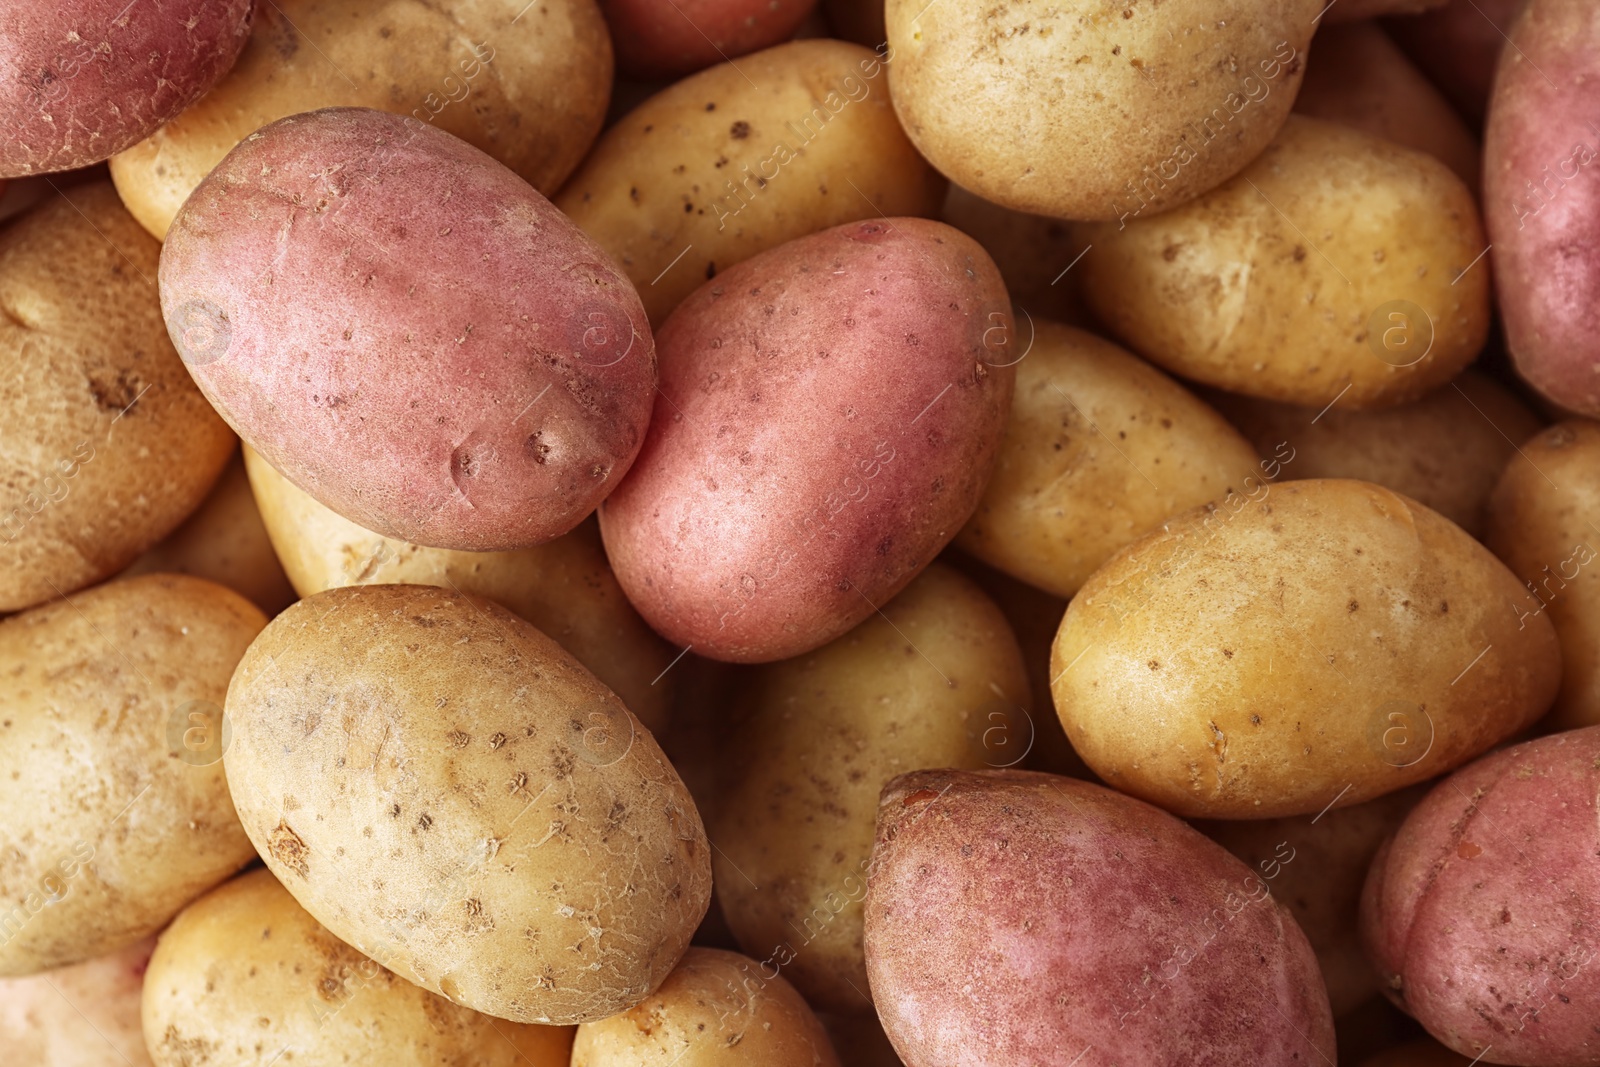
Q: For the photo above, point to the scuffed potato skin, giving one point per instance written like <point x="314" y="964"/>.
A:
<point x="43" y="1016"/>
<point x="666" y="39"/>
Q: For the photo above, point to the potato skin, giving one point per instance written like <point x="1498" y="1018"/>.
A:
<point x="1254" y="661"/>
<point x="519" y="367"/>
<point x="715" y="170"/>
<point x="244" y="973"/>
<point x="117" y="810"/>
<point x="83" y="80"/>
<point x="1480" y="911"/>
<point x="530" y="92"/>
<point x="853" y="383"/>
<point x="108" y="445"/>
<point x="1099" y="450"/>
<point x="43" y="1016"/>
<point x="390" y="743"/>
<point x="666" y="39"/>
<point x="1032" y="916"/>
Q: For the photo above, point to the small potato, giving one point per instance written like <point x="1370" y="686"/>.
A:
<point x="1100" y="449"/>
<point x="116" y="811"/>
<point x="518" y="367"/>
<point x="935" y="680"/>
<point x="1322" y="641"/>
<point x="564" y="587"/>
<point x="1334" y="267"/>
<point x="1458" y="46"/>
<point x="1035" y="254"/>
<point x="1422" y="1053"/>
<point x="530" y="91"/>
<point x="108" y="445"/>
<point x="244" y="976"/>
<point x="444" y="788"/>
<point x="717" y="1009"/>
<point x="743" y="157"/>
<point x="1021" y="918"/>
<point x="85" y="1015"/>
<point x="670" y="38"/>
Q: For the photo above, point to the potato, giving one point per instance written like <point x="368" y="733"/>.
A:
<point x="1356" y="10"/>
<point x="743" y="157"/>
<point x="86" y="79"/>
<point x="85" y="1015"/>
<point x="671" y="38"/>
<point x="852" y="384"/>
<point x="1315" y="642"/>
<point x="328" y="243"/>
<point x="717" y="1009"/>
<point x="1480" y="912"/>
<point x="1065" y="109"/>
<point x="564" y="587"/>
<point x="1035" y="917"/>
<point x="244" y="976"/>
<point x="1537" y="198"/>
<point x="1445" y="450"/>
<point x="108" y="445"/>
<point x="530" y="91"/>
<point x="1458" y="46"/>
<point x="936" y="680"/>
<point x="1423" y="1053"/>
<point x="116" y="811"/>
<point x="1336" y="266"/>
<point x="1035" y="254"/>
<point x="1100" y="449"/>
<point x="442" y="720"/>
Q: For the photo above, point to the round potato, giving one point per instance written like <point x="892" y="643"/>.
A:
<point x="519" y="366"/>
<point x="1458" y="46"/>
<point x="743" y="157"/>
<point x="108" y="445"/>
<point x="1100" y="449"/>
<point x="564" y="587"/>
<point x="1318" y="642"/>
<point x="443" y="787"/>
<point x="717" y="1009"/>
<point x="1035" y="255"/>
<point x="116" y="811"/>
<point x="658" y="39"/>
<point x="244" y="976"/>
<point x="527" y="84"/>
<point x="43" y="1017"/>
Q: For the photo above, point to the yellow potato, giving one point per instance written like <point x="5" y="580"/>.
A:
<point x="1099" y="450"/>
<point x="1316" y="641"/>
<point x="743" y="157"/>
<point x="85" y="1015"/>
<point x="244" y="976"/>
<point x="1036" y="256"/>
<point x="1335" y="266"/>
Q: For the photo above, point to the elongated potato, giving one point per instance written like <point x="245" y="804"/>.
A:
<point x="43" y="1016"/>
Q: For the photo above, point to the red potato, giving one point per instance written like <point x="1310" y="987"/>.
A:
<point x="830" y="410"/>
<point x="84" y="79"/>
<point x="1021" y="918"/>
<point x="408" y="331"/>
<point x="83" y="1015"/>
<point x="671" y="38"/>
<point x="1481" y="911"/>
<point x="1458" y="46"/>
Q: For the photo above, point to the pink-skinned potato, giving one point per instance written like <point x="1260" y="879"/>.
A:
<point x="1458" y="46"/>
<point x="408" y="331"/>
<point x="80" y="81"/>
<point x="1021" y="918"/>
<point x="670" y="38"/>
<point x="829" y="412"/>
<point x="1481" y="911"/>
<point x="43" y="1017"/>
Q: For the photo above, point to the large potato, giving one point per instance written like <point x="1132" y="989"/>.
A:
<point x="670" y="38"/>
<point x="244" y="976"/>
<point x="81" y="80"/>
<point x="564" y="587"/>
<point x="1458" y="46"/>
<point x="116" y="811"/>
<point x="743" y="157"/>
<point x="1021" y="918"/>
<point x="525" y="82"/>
<point x="1319" y="641"/>
<point x="1083" y="111"/>
<point x="518" y="366"/>
<point x="107" y="445"/>
<point x="43" y="1017"/>
<point x="1100" y="449"/>
<point x="829" y="412"/>
<point x="936" y="680"/>
<point x="444" y="788"/>
<point x="1035" y="254"/>
<point x="1334" y="267"/>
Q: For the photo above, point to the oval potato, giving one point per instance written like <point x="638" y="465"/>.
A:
<point x="43" y="1016"/>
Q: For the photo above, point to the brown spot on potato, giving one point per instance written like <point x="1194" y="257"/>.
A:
<point x="739" y="130"/>
<point x="289" y="849"/>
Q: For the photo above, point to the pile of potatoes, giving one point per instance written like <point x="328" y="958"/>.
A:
<point x="691" y="533"/>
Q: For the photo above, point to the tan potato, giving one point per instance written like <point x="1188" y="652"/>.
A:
<point x="935" y="680"/>
<point x="1334" y="266"/>
<point x="114" y="812"/>
<point x="564" y="587"/>
<point x="743" y="157"/>
<point x="529" y="91"/>
<point x="1319" y="641"/>
<point x="244" y="977"/>
<point x="1035" y="256"/>
<point x="1099" y="450"/>
<point x="85" y="1015"/>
